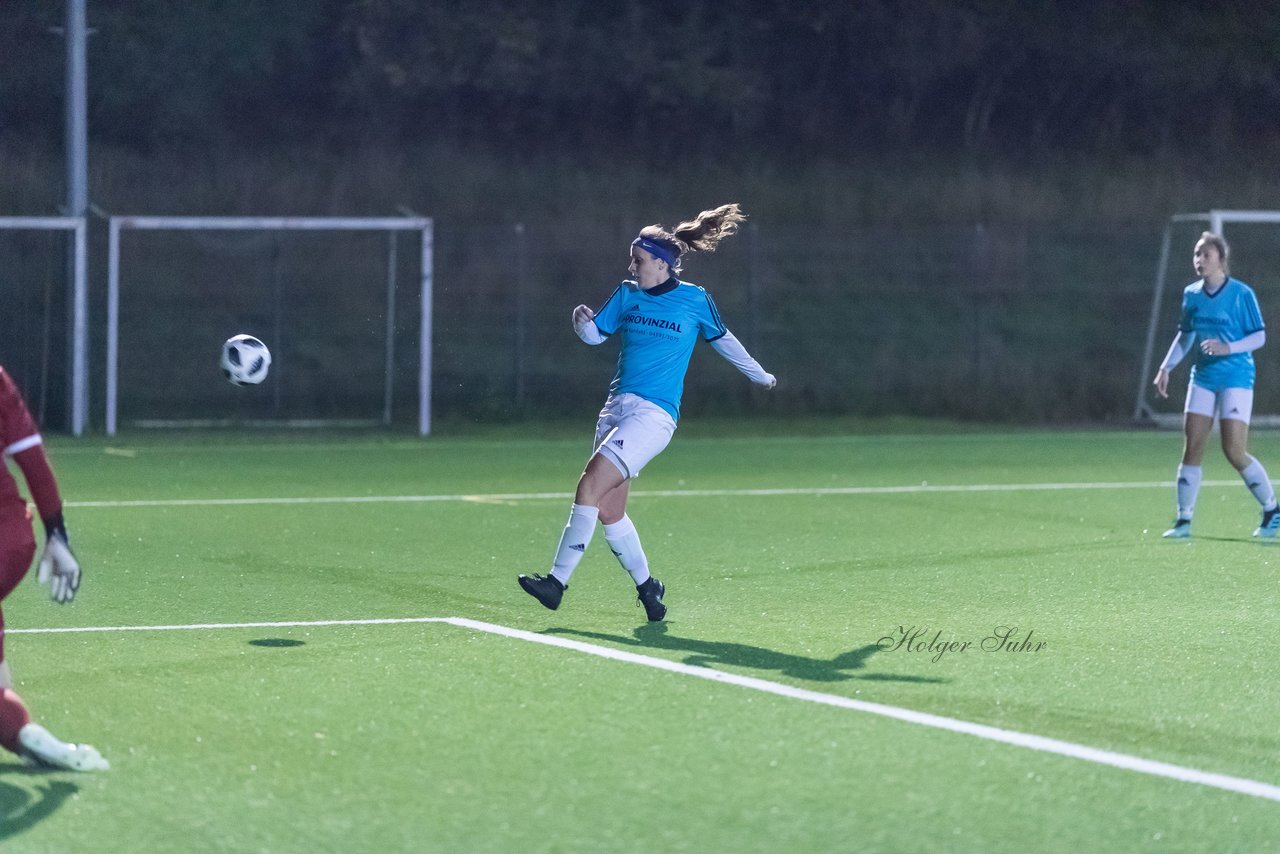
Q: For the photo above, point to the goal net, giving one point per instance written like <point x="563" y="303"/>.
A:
<point x="333" y="298"/>
<point x="44" y="317"/>
<point x="1254" y="240"/>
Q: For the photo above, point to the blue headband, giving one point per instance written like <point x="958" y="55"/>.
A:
<point x="657" y="250"/>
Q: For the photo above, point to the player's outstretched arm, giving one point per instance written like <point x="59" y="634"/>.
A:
<point x="58" y="568"/>
<point x="733" y="351"/>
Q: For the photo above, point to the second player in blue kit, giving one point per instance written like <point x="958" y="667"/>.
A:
<point x="1221" y="325"/>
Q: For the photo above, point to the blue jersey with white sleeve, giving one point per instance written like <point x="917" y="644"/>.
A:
<point x="659" y="328"/>
<point x="1228" y="314"/>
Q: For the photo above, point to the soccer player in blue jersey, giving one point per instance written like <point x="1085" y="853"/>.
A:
<point x="659" y="319"/>
<point x="1222" y="315"/>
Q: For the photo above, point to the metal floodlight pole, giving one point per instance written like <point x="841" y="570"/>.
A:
<point x="77" y="106"/>
<point x="77" y="143"/>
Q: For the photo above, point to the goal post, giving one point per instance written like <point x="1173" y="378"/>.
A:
<point x="78" y="320"/>
<point x="276" y="226"/>
<point x="1254" y="237"/>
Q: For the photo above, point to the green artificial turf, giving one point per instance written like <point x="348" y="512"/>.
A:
<point x="434" y="737"/>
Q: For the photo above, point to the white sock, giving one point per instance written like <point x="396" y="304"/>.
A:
<point x="1255" y="477"/>
<point x="574" y="541"/>
<point x="625" y="543"/>
<point x="1188" y="489"/>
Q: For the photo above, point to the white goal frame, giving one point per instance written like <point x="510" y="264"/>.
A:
<point x="422" y="225"/>
<point x="79" y="321"/>
<point x="1143" y="411"/>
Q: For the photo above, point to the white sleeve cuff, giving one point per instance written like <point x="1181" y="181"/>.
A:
<point x="22" y="445"/>
<point x="589" y="332"/>
<point x="733" y="351"/>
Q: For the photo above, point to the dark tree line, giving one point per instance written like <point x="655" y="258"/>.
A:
<point x="798" y="77"/>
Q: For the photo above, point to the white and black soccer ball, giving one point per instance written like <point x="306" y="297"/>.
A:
<point x="245" y="360"/>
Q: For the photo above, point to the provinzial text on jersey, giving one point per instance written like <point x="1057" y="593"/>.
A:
<point x="651" y="321"/>
<point x="1208" y="321"/>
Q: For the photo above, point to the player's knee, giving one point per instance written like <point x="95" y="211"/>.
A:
<point x="589" y="493"/>
<point x="1239" y="459"/>
<point x="603" y="474"/>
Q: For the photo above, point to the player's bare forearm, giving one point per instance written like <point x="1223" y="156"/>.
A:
<point x="1161" y="382"/>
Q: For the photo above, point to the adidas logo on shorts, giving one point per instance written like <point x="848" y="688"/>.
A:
<point x="618" y="442"/>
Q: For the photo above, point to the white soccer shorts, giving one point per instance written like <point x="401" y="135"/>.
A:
<point x="631" y="432"/>
<point x="1235" y="404"/>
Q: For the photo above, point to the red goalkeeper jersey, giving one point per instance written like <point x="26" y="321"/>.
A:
<point x="20" y="438"/>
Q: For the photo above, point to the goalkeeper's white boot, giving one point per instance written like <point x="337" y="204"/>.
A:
<point x="1180" y="531"/>
<point x="42" y="748"/>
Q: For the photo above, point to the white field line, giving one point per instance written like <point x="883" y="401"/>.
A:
<point x="419" y="446"/>
<point x="483" y="498"/>
<point x="196" y="626"/>
<point x="1240" y="785"/>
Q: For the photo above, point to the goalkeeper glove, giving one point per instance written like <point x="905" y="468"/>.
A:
<point x="58" y="566"/>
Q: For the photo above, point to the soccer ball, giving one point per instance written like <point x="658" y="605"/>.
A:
<point x="245" y="360"/>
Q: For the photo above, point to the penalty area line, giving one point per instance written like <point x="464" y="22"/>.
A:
<point x="1253" y="788"/>
<point x="287" y="624"/>
<point x="1239" y="785"/>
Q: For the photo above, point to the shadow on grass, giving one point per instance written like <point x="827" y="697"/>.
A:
<point x="28" y="797"/>
<point x="709" y="654"/>
<point x="1257" y="541"/>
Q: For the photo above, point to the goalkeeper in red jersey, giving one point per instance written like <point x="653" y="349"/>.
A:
<point x="58" y="569"/>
